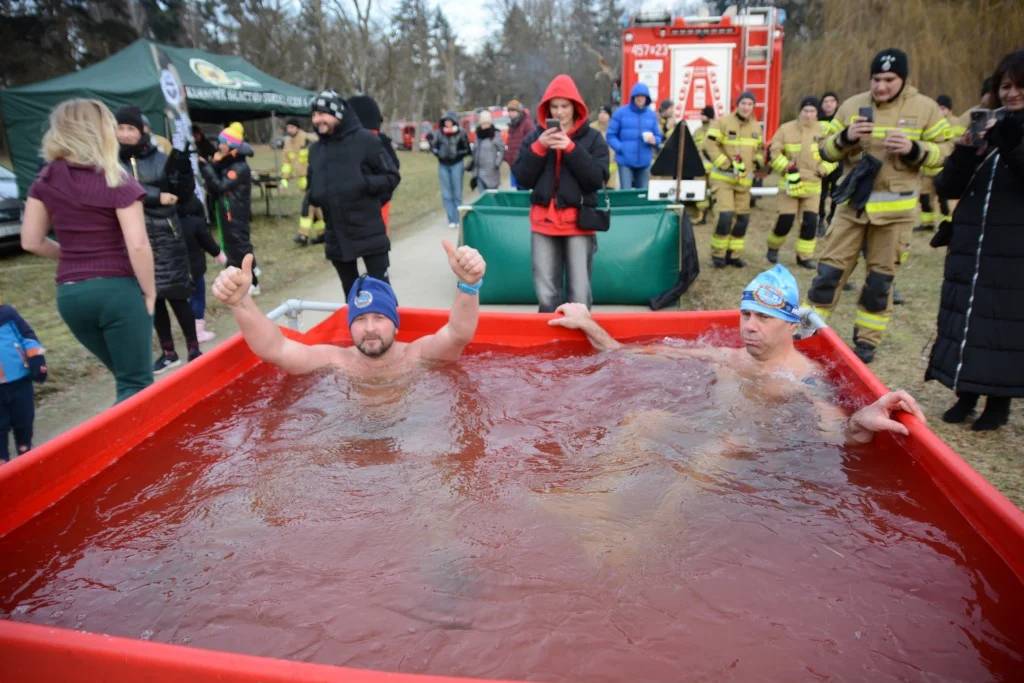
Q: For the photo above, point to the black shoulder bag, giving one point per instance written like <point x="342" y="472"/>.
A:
<point x="597" y="219"/>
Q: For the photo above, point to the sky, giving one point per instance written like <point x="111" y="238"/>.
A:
<point x="472" y="20"/>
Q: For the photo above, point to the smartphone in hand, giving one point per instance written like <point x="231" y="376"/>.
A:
<point x="867" y="113"/>
<point x="976" y="129"/>
<point x="551" y="123"/>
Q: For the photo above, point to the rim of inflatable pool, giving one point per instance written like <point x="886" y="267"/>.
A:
<point x="32" y="483"/>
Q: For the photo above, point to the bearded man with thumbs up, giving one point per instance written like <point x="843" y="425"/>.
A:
<point x="373" y="321"/>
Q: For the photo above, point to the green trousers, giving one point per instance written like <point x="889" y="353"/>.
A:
<point x="108" y="316"/>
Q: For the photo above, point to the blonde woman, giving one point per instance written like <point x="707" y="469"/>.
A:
<point x="105" y="287"/>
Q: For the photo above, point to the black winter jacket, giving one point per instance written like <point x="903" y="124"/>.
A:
<point x="348" y="173"/>
<point x="198" y="239"/>
<point x="982" y="296"/>
<point x="229" y="184"/>
<point x="170" y="255"/>
<point x="584" y="170"/>
<point x="450" y="149"/>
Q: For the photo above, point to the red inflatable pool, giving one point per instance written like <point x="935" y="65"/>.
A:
<point x="35" y="487"/>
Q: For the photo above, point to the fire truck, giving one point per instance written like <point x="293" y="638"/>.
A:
<point x="707" y="60"/>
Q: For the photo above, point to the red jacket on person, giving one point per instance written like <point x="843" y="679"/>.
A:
<point x="562" y="181"/>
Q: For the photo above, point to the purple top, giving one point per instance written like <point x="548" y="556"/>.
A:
<point x="83" y="211"/>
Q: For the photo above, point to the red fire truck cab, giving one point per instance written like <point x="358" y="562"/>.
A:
<point x="707" y="60"/>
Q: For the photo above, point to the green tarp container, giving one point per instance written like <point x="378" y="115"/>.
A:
<point x="638" y="258"/>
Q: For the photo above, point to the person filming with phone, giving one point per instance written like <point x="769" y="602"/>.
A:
<point x="884" y="137"/>
<point x="979" y="347"/>
<point x="565" y="164"/>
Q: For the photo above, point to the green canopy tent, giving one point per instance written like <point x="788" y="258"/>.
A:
<point x="219" y="88"/>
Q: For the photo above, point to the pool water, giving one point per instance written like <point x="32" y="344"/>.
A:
<point x="553" y="516"/>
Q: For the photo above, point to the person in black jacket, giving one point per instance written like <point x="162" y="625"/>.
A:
<point x="979" y="349"/>
<point x="228" y="180"/>
<point x="369" y="115"/>
<point x="170" y="254"/>
<point x="564" y="167"/>
<point x="349" y="171"/>
<point x="451" y="147"/>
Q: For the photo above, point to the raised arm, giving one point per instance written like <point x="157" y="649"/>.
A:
<point x="447" y="344"/>
<point x="262" y="334"/>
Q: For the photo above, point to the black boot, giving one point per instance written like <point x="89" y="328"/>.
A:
<point x="809" y="264"/>
<point x="773" y="256"/>
<point x="319" y="239"/>
<point x="734" y="261"/>
<point x="997" y="413"/>
<point x="924" y="228"/>
<point x="865" y="351"/>
<point x="963" y="407"/>
<point x="301" y="240"/>
<point x="848" y="286"/>
<point x="897" y="298"/>
<point x="718" y="261"/>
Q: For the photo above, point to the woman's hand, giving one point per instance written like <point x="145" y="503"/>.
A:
<point x="549" y="136"/>
<point x="560" y="141"/>
<point x="150" y="300"/>
<point x="168" y="199"/>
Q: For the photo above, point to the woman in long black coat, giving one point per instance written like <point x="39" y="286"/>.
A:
<point x="980" y="343"/>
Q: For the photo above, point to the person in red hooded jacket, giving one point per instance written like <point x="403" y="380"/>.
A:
<point x="564" y="166"/>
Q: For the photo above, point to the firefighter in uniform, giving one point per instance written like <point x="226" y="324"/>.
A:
<point x="795" y="157"/>
<point x="707" y="115"/>
<point x="293" y="170"/>
<point x="735" y="146"/>
<point x="666" y="118"/>
<point x="878" y="195"/>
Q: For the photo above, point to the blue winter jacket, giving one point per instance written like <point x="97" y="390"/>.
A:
<point x="21" y="354"/>
<point x="627" y="127"/>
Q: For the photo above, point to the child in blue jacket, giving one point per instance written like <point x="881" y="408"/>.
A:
<point x="21" y="361"/>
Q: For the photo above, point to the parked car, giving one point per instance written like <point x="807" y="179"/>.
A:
<point x="11" y="209"/>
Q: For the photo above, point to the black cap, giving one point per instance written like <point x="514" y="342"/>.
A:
<point x="809" y="101"/>
<point x="329" y="102"/>
<point x="293" y="122"/>
<point x="130" y="115"/>
<point x="944" y="101"/>
<point x="708" y="111"/>
<point x="606" y="108"/>
<point x="891" y="60"/>
<point x="665" y="104"/>
<point x="829" y="93"/>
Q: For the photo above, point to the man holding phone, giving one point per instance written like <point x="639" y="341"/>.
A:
<point x="900" y="131"/>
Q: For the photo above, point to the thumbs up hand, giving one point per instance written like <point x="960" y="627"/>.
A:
<point x="232" y="285"/>
<point x="466" y="262"/>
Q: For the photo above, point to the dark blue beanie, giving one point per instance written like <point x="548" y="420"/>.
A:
<point x="370" y="295"/>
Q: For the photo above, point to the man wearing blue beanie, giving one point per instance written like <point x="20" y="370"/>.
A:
<point x="373" y="322"/>
<point x="769" y="318"/>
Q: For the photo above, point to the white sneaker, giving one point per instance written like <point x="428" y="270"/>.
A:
<point x="202" y="334"/>
<point x="453" y="226"/>
<point x="254" y="290"/>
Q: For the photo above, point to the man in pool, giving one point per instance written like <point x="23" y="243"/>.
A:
<point x="373" y="322"/>
<point x="768" y="319"/>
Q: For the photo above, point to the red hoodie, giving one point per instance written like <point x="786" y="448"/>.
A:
<point x="551" y="220"/>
